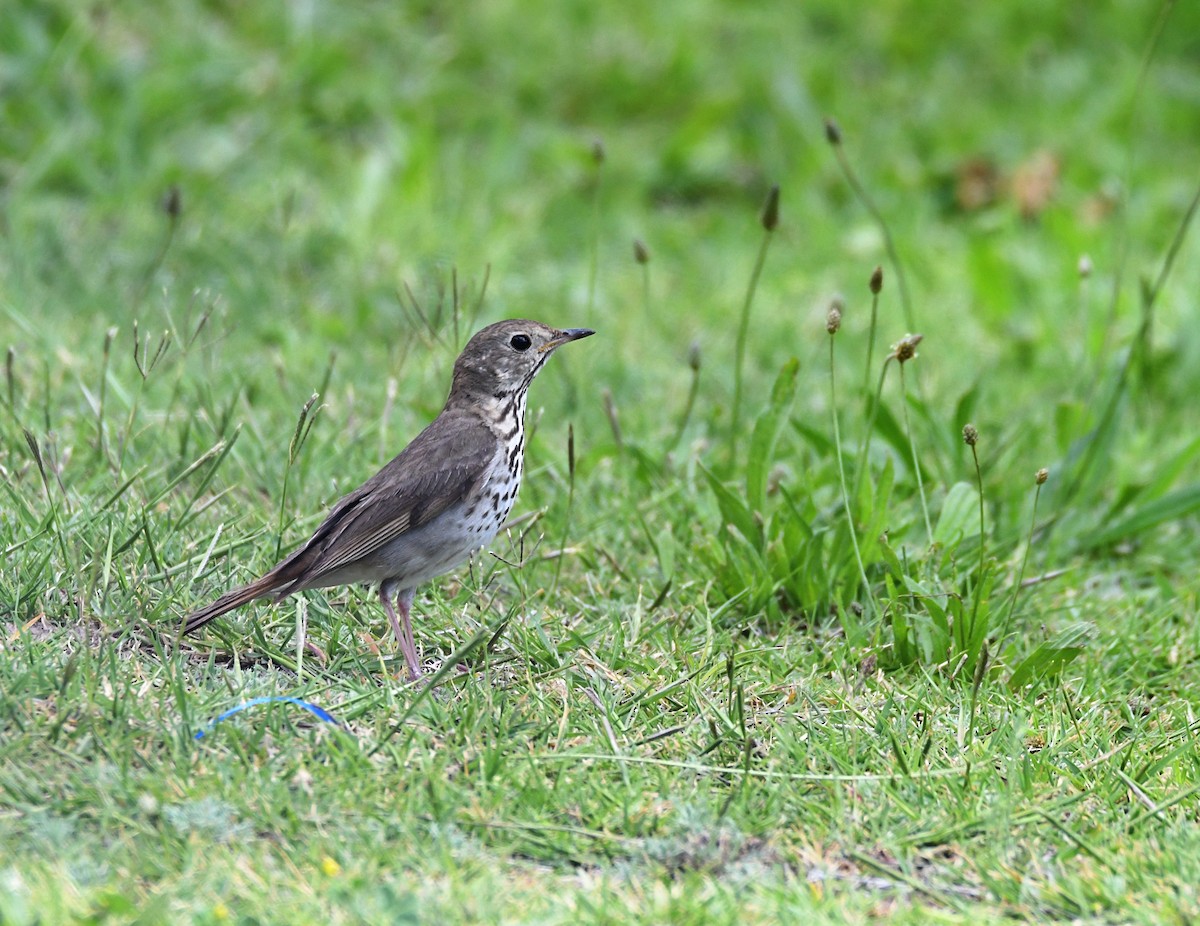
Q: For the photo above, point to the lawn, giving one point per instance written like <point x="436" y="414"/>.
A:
<point x="832" y="594"/>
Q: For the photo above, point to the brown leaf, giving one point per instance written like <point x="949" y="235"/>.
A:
<point x="1034" y="183"/>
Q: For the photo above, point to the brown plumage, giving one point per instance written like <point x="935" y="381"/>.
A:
<point x="443" y="497"/>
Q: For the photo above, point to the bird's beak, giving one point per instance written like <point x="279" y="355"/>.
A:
<point x="566" y="335"/>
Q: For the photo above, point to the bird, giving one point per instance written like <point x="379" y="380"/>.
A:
<point x="442" y="498"/>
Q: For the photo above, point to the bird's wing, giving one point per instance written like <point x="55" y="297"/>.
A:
<point x="409" y="491"/>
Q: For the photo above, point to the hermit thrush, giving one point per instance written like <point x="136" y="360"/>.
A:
<point x="445" y="496"/>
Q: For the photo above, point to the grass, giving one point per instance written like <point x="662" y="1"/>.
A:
<point x="720" y="673"/>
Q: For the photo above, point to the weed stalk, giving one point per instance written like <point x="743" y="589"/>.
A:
<point x="106" y="356"/>
<point x="865" y="446"/>
<point x="10" y="376"/>
<point x="770" y="220"/>
<point x="971" y="438"/>
<point x="641" y="254"/>
<point x="833" y="135"/>
<point x="905" y="350"/>
<point x="693" y="390"/>
<point x="1039" y="480"/>
<point x="562" y="546"/>
<point x="875" y="284"/>
<point x="172" y="207"/>
<point x="976" y="684"/>
<point x="598" y="156"/>
<point x="833" y="322"/>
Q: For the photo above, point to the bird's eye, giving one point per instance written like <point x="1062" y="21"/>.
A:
<point x="520" y="342"/>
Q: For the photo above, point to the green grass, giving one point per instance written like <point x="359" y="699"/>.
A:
<point x="686" y="705"/>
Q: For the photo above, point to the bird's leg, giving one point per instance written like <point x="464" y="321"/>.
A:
<point x="404" y="600"/>
<point x="401" y="625"/>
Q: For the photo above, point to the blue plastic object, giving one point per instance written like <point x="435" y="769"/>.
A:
<point x="316" y="710"/>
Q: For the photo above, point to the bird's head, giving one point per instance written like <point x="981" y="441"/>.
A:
<point x="503" y="358"/>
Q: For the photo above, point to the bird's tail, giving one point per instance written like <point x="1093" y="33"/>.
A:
<point x="260" y="588"/>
